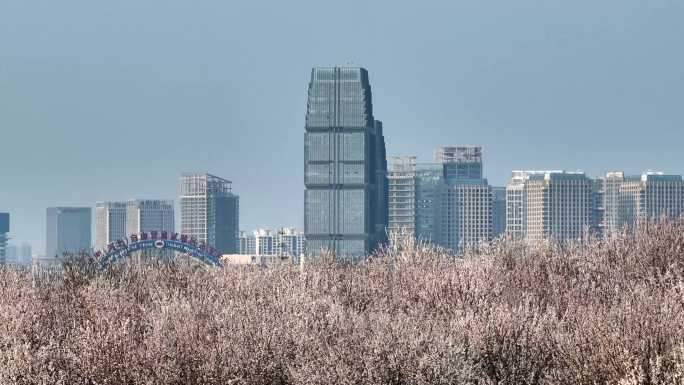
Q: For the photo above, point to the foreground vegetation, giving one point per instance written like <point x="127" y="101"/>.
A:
<point x="611" y="312"/>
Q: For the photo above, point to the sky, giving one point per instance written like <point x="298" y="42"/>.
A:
<point x="113" y="100"/>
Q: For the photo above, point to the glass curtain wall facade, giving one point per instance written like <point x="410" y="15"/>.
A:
<point x="498" y="211"/>
<point x="428" y="179"/>
<point x="460" y="162"/>
<point x="345" y="168"/>
<point x="4" y="229"/>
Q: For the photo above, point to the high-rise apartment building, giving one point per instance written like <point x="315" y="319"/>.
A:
<point x="556" y="205"/>
<point x="68" y="231"/>
<point x="285" y="241"/>
<point x="345" y="169"/>
<point x="210" y="211"/>
<point x="146" y="215"/>
<point x="611" y="201"/>
<point x="289" y="241"/>
<point x="464" y="214"/>
<point x="515" y="209"/>
<point x="247" y="243"/>
<point x="110" y="223"/>
<point x="647" y="196"/>
<point x="498" y="211"/>
<point x="460" y="162"/>
<point x="401" y="178"/>
<point x="4" y="230"/>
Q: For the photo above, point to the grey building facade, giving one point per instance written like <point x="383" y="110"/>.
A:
<point x="68" y="230"/>
<point x="628" y="199"/>
<point x="345" y="168"/>
<point x="210" y="211"/>
<point x="4" y="230"/>
<point x="498" y="211"/>
<point x="110" y="223"/>
<point x="401" y="177"/>
<point x="146" y="215"/>
<point x="460" y="162"/>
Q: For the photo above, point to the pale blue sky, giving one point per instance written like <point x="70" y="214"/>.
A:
<point x="111" y="100"/>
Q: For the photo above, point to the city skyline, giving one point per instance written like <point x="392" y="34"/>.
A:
<point x="94" y="103"/>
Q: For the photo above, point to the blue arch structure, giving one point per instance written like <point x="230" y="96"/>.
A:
<point x="124" y="249"/>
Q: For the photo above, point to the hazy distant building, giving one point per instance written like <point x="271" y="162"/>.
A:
<point x="429" y="176"/>
<point x="25" y="253"/>
<point x="611" y="201"/>
<point x="4" y="230"/>
<point x="11" y="253"/>
<point x="68" y="230"/>
<point x="247" y="243"/>
<point x="498" y="211"/>
<point x="146" y="215"/>
<point x="598" y="192"/>
<point x="460" y="162"/>
<point x="345" y="169"/>
<point x="647" y="196"/>
<point x="18" y="254"/>
<point x="210" y="211"/>
<point x="463" y="215"/>
<point x="290" y="241"/>
<point x="401" y="178"/>
<point x="110" y="223"/>
<point x="285" y="241"/>
<point x="554" y="205"/>
<point x="515" y="209"/>
<point x="265" y="241"/>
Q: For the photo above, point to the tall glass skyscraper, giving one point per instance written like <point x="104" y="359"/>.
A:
<point x="345" y="167"/>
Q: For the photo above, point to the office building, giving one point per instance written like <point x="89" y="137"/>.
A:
<point x="460" y="162"/>
<point x="498" y="211"/>
<point x="429" y="176"/>
<point x="464" y="214"/>
<point x="611" y="201"/>
<point x="515" y="211"/>
<point x="345" y="169"/>
<point x="4" y="237"/>
<point x="68" y="231"/>
<point x="210" y="211"/>
<point x="557" y="205"/>
<point x="598" y="214"/>
<point x="401" y="178"/>
<point x="110" y="223"/>
<point x="117" y="220"/>
<point x="146" y="215"/>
